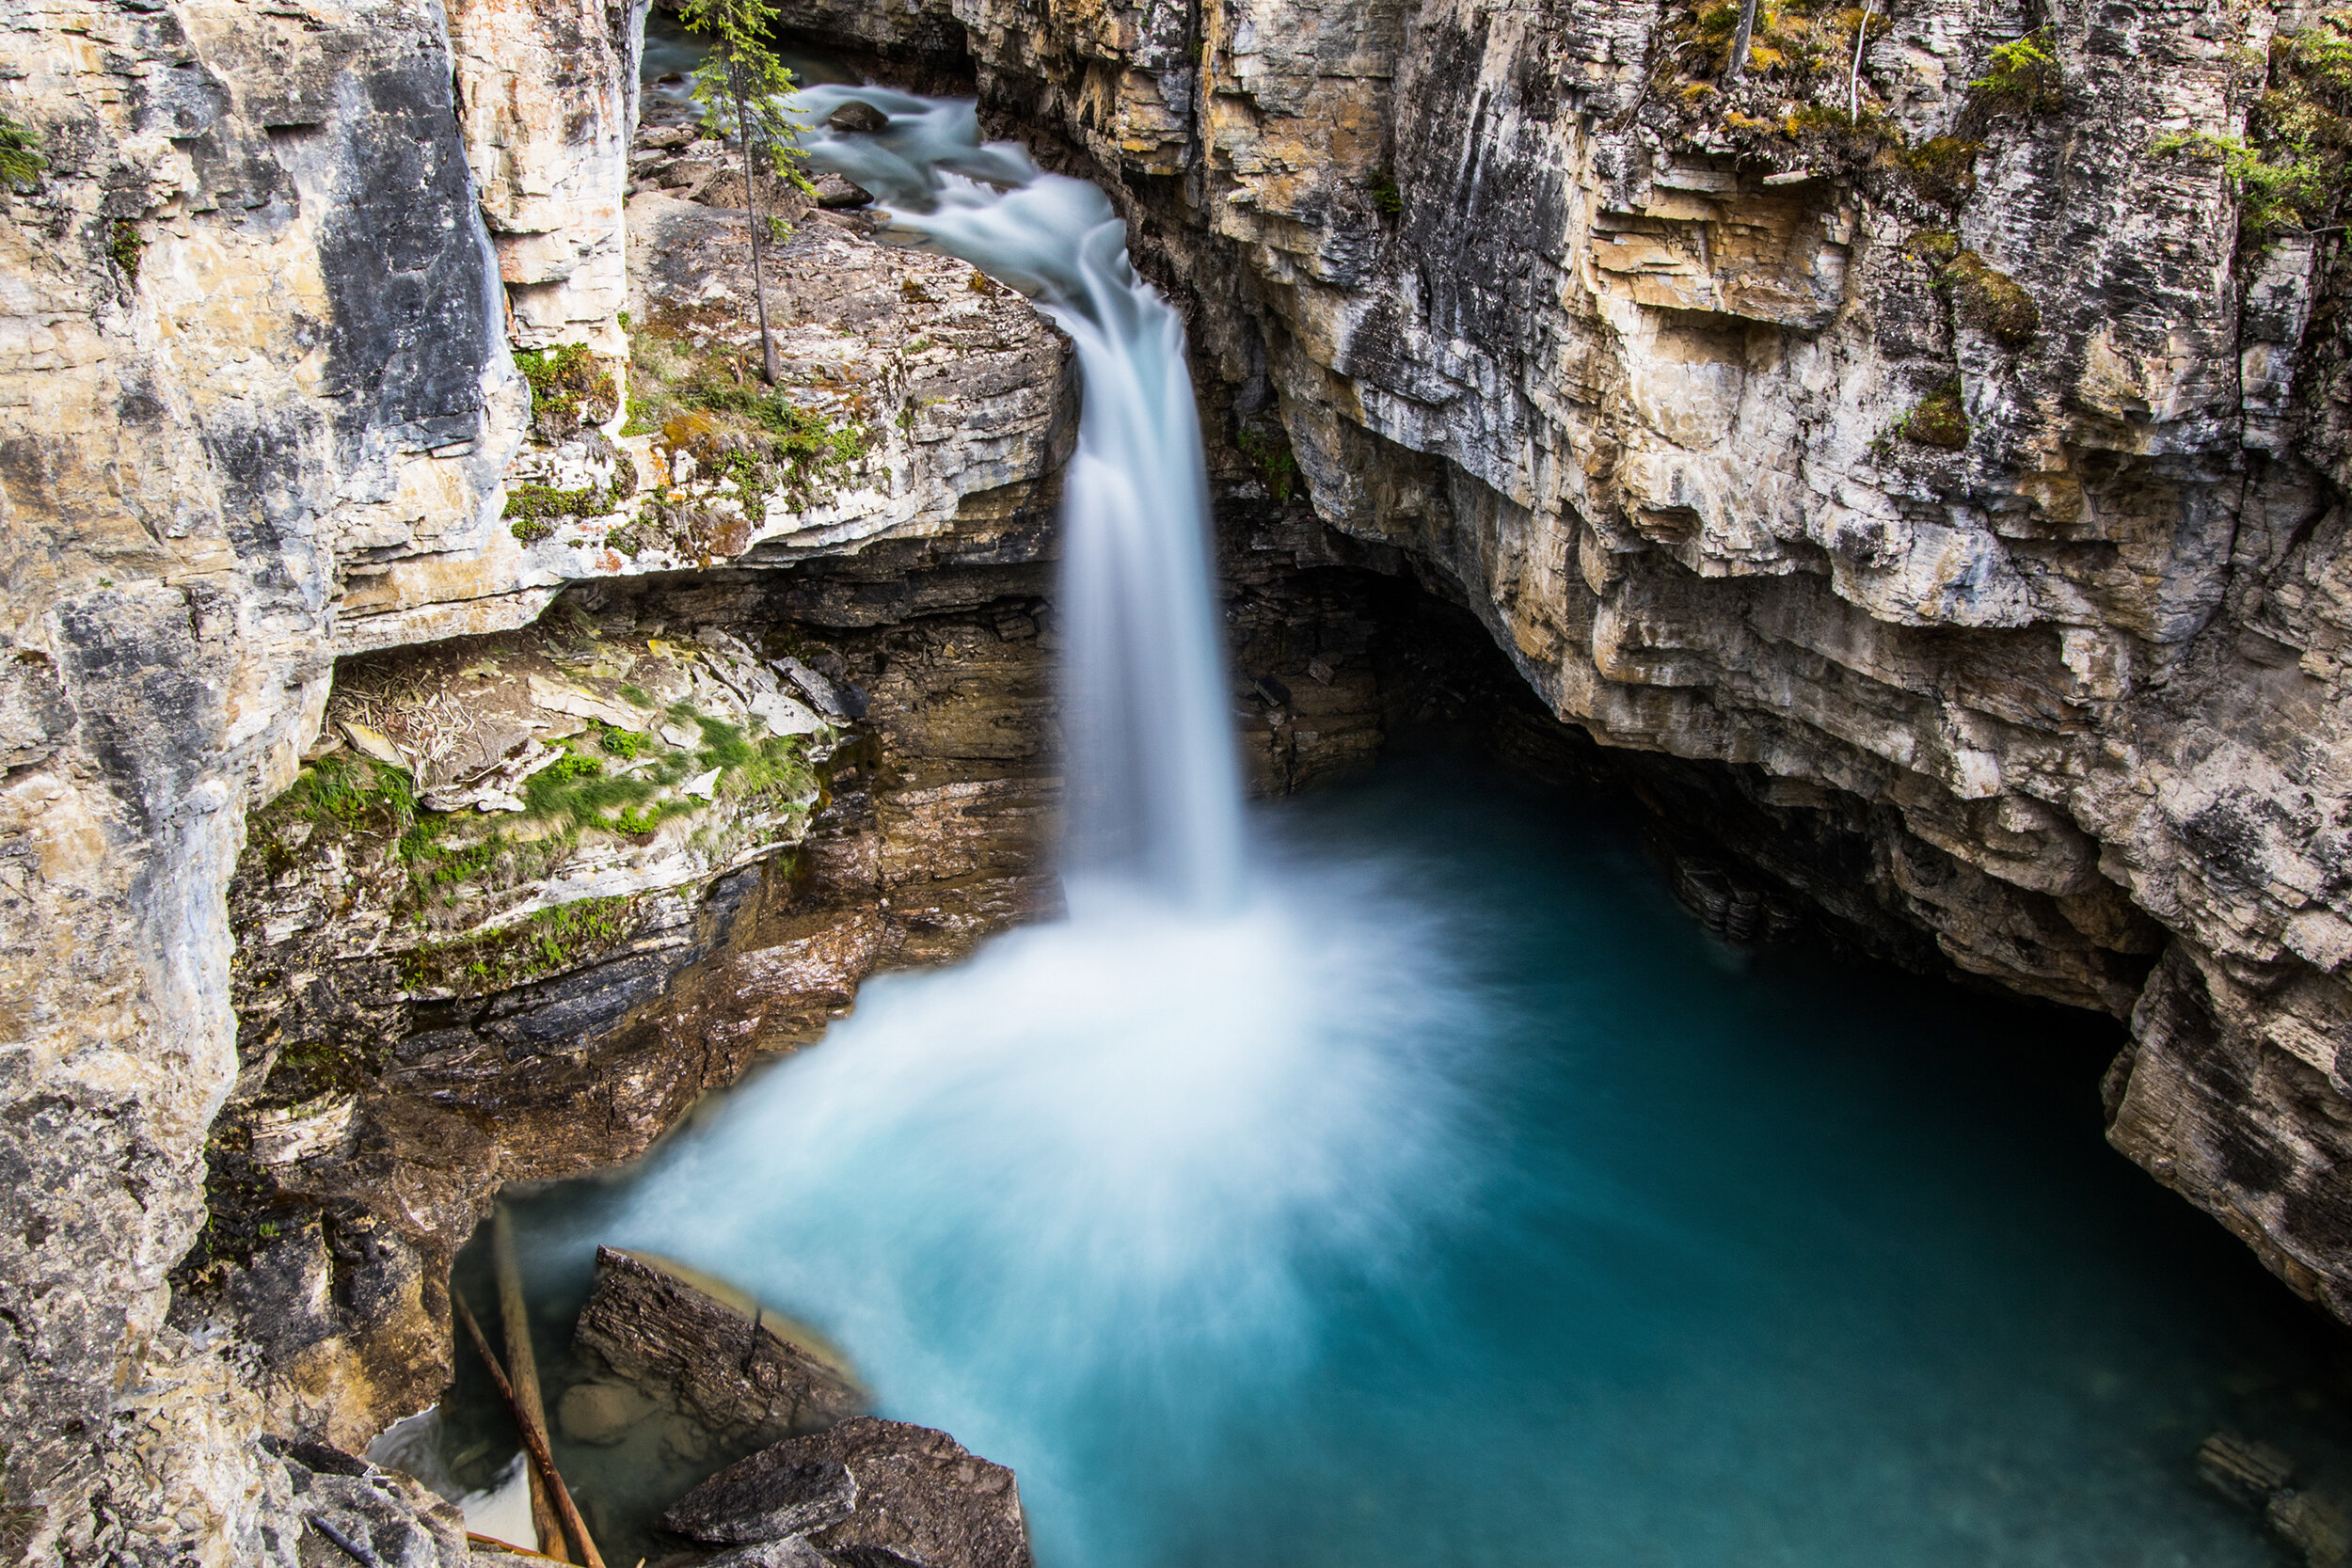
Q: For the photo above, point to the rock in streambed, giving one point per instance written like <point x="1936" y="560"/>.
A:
<point x="866" y="1492"/>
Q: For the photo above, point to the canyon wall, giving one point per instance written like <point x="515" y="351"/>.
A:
<point x="1954" y="469"/>
<point x="260" y="409"/>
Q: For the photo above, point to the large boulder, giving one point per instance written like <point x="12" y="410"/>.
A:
<point x="888" y="1493"/>
<point x="730" y="1367"/>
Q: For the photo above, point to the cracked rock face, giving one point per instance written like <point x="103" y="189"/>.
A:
<point x="1637" y="378"/>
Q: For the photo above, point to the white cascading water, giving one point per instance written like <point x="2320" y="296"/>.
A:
<point x="1060" y="1184"/>
<point x="1154" y="799"/>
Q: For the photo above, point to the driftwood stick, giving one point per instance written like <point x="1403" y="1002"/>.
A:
<point x="522" y="1366"/>
<point x="535" y="1437"/>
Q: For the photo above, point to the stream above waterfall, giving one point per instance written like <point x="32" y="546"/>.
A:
<point x="1458" y="1199"/>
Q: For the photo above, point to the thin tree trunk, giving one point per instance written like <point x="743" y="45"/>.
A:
<point x="522" y="1364"/>
<point x="1739" y="42"/>
<point x="751" y="200"/>
<point x="1854" y="77"/>
<point x="535" y="1437"/>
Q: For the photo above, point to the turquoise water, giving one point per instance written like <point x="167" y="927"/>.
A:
<point x="1461" y="1202"/>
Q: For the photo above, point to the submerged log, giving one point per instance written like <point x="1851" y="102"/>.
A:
<point x="522" y="1366"/>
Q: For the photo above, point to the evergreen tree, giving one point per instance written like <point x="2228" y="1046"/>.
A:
<point x="746" y="95"/>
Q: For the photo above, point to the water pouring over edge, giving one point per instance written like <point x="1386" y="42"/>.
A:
<point x="1153" y="791"/>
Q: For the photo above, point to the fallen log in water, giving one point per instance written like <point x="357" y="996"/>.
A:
<point x="535" y="1437"/>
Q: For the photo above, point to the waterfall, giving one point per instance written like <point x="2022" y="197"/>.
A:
<point x="1154" y="797"/>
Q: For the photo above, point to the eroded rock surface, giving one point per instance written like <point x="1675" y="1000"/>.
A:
<point x="742" y="1377"/>
<point x="866" y="1492"/>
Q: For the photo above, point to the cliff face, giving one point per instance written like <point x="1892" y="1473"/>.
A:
<point x="246" y="337"/>
<point x="1952" y="468"/>
<point x="258" y="409"/>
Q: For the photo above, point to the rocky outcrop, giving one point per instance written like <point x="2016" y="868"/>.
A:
<point x="547" y="101"/>
<point x="1950" y="468"/>
<point x="866" y="1490"/>
<point x="743" y="1378"/>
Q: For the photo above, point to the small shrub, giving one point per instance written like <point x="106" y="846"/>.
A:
<point x="1939" y="419"/>
<point x="2021" y="78"/>
<point x="1385" y="199"/>
<point x="628" y="745"/>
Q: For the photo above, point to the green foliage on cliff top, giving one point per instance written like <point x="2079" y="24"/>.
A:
<point x="1799" y="42"/>
<point x="702" y="398"/>
<point x="2291" y="172"/>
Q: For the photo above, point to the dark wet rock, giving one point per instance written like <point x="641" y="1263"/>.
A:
<point x="916" y="1496"/>
<point x="729" y="1367"/>
<point x="854" y="115"/>
<point x="838" y="190"/>
<point x="749" y="1502"/>
<point x="793" y="1552"/>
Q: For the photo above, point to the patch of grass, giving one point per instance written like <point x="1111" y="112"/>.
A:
<point x="636" y="696"/>
<point x="1992" y="300"/>
<point x="2022" y="78"/>
<point x="537" y="509"/>
<point x="1938" y="419"/>
<point x="1385" y="199"/>
<point x="126" y="247"/>
<point x="549" y="942"/>
<point x="21" y="161"/>
<point x="569" y="389"/>
<point x="353" y="793"/>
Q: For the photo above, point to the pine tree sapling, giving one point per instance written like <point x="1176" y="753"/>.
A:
<point x="746" y="95"/>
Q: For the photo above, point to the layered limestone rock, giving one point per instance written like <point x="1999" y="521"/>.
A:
<point x="1950" y="468"/>
<point x="249" y="335"/>
<point x="546" y="102"/>
<point x="259" y="410"/>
